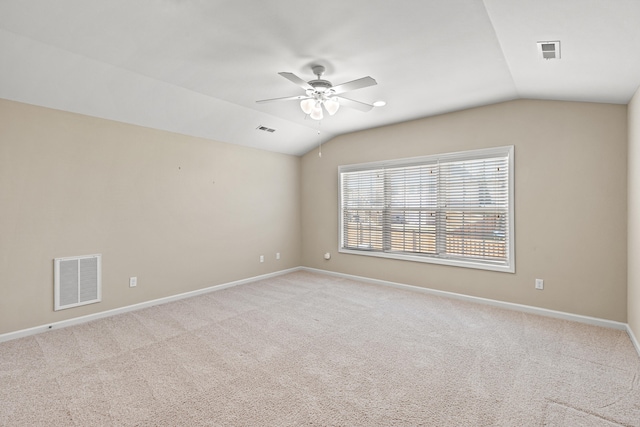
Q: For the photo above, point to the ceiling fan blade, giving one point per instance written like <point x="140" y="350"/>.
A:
<point x="296" y="80"/>
<point x="354" y="104"/>
<point x="354" y="84"/>
<point x="286" y="98"/>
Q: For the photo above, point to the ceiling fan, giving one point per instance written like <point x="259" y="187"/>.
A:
<point x="319" y="93"/>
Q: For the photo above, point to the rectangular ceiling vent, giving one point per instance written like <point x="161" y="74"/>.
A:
<point x="549" y="50"/>
<point x="266" y="129"/>
<point x="77" y="281"/>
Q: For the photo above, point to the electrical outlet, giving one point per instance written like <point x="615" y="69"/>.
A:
<point x="277" y="255"/>
<point x="261" y="258"/>
<point x="133" y="282"/>
<point x="539" y="284"/>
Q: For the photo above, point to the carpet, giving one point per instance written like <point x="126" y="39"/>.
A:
<point x="306" y="349"/>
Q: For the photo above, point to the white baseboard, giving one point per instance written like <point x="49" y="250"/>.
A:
<point x="83" y="319"/>
<point x="634" y="340"/>
<point x="507" y="305"/>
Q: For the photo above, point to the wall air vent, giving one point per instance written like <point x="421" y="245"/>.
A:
<point x="266" y="129"/>
<point x="77" y="281"/>
<point x="549" y="50"/>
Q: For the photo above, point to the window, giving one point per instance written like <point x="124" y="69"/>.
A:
<point x="454" y="209"/>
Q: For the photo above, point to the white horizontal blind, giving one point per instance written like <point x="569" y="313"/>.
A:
<point x="412" y="196"/>
<point x="475" y="205"/>
<point x="450" y="209"/>
<point x="363" y="210"/>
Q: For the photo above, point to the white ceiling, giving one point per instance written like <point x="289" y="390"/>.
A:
<point x="197" y="67"/>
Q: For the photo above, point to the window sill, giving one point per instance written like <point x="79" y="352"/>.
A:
<point x="441" y="261"/>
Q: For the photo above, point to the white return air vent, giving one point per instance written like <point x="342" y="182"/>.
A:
<point x="549" y="50"/>
<point x="266" y="129"/>
<point x="77" y="281"/>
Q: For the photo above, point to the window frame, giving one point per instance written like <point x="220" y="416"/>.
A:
<point x="503" y="151"/>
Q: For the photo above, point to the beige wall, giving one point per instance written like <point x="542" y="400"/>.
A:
<point x="180" y="213"/>
<point x="570" y="203"/>
<point x="633" y="292"/>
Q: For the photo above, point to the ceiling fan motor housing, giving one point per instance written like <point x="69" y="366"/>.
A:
<point x="319" y="85"/>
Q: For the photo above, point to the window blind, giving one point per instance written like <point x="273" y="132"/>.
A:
<point x="452" y="209"/>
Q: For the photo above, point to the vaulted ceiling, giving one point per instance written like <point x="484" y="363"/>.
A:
<point x="197" y="67"/>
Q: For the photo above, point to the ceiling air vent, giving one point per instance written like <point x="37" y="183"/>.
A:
<point x="549" y="50"/>
<point x="266" y="129"/>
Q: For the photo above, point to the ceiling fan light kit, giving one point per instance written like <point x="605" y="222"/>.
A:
<point x="332" y="105"/>
<point x="308" y="105"/>
<point x="321" y="93"/>
<point x="316" y="113"/>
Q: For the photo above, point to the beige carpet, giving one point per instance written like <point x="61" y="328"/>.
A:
<point x="311" y="350"/>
